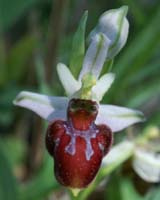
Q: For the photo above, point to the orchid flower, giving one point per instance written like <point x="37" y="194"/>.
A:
<point x="80" y="131"/>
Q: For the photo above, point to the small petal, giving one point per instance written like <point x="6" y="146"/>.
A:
<point x="118" y="118"/>
<point x="102" y="86"/>
<point x="70" y="84"/>
<point x="114" y="25"/>
<point x="95" y="55"/>
<point x="47" y="107"/>
<point x="147" y="165"/>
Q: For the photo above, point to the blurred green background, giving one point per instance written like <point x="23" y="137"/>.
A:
<point x="34" y="36"/>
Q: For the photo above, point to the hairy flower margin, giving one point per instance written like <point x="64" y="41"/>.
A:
<point x="105" y="41"/>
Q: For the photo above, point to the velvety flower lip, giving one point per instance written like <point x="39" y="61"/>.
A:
<point x="77" y="144"/>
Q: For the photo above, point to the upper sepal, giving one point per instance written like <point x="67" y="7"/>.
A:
<point x="95" y="55"/>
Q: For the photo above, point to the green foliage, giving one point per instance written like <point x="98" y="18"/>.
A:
<point x="13" y="66"/>
<point x="6" y="108"/>
<point x="11" y="11"/>
<point x="124" y="189"/>
<point x="8" y="184"/>
<point x="17" y="147"/>
<point x="18" y="57"/>
<point x="2" y="63"/>
<point x="13" y="70"/>
<point x="107" y="66"/>
<point x="78" y="47"/>
<point x="42" y="184"/>
<point x="154" y="194"/>
<point x="144" y="93"/>
<point x="139" y="15"/>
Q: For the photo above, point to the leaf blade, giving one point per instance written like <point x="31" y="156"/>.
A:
<point x="78" y="47"/>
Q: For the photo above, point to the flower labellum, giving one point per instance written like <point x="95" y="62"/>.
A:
<point x="78" y="144"/>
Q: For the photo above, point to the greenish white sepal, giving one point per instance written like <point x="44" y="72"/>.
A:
<point x="47" y="107"/>
<point x="102" y="86"/>
<point x="70" y="84"/>
<point x="95" y="56"/>
<point x="117" y="117"/>
<point x="114" y="25"/>
<point x="147" y="165"/>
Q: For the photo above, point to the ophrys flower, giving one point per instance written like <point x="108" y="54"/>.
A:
<point x="80" y="129"/>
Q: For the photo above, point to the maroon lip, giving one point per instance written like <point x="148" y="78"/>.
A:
<point x="77" y="146"/>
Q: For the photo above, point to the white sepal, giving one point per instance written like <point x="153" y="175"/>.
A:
<point x="114" y="25"/>
<point x="102" y="86"/>
<point x="47" y="107"/>
<point x="118" y="118"/>
<point x="95" y="56"/>
<point x="70" y="84"/>
<point x="147" y="165"/>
